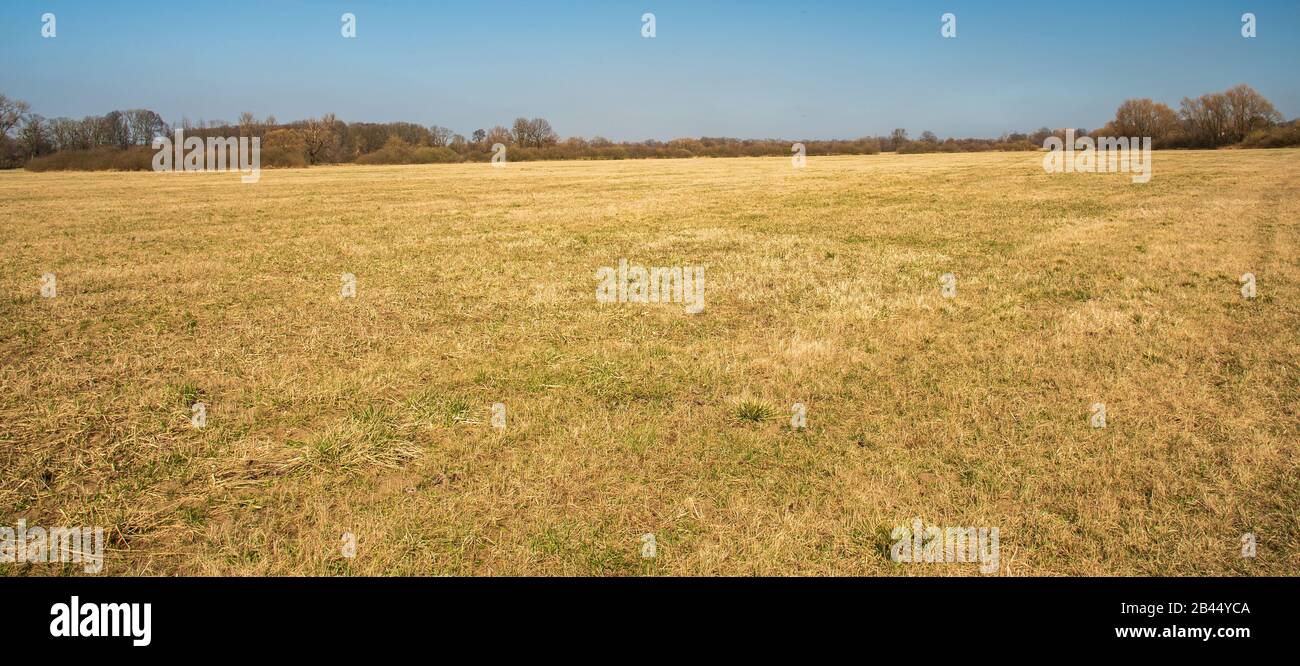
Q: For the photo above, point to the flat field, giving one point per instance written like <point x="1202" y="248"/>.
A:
<point x="372" y="415"/>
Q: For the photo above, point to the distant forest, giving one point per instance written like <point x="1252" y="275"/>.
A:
<point x="121" y="140"/>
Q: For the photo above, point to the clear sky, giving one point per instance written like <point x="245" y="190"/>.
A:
<point x="796" y="70"/>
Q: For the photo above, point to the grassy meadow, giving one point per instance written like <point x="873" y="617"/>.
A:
<point x="476" y="285"/>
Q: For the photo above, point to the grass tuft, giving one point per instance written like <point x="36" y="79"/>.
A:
<point x="754" y="412"/>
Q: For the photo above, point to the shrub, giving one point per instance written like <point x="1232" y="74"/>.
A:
<point x="1274" y="137"/>
<point x="284" y="148"/>
<point x="136" y="158"/>
<point x="282" y="157"/>
<point x="397" y="151"/>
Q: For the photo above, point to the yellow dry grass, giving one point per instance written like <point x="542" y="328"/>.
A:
<point x="476" y="285"/>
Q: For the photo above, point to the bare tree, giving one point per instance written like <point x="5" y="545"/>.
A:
<point x="439" y="136"/>
<point x="497" y="135"/>
<point x="248" y="124"/>
<point x="533" y="133"/>
<point x="1248" y="111"/>
<point x="322" y="144"/>
<point x="144" y="125"/>
<point x="111" y="129"/>
<point x="34" y="138"/>
<point x="1143" y="117"/>
<point x="12" y="112"/>
<point x="67" y="134"/>
<point x="521" y="132"/>
<point x="543" y="134"/>
<point x="1206" y="119"/>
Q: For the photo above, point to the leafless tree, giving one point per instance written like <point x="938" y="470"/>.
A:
<point x="521" y="132"/>
<point x="67" y="134"/>
<point x="543" y="134"/>
<point x="144" y="125"/>
<point x="497" y="135"/>
<point x="248" y="125"/>
<point x="12" y="112"/>
<point x="322" y="143"/>
<point x="1141" y="118"/>
<point x="439" y="136"/>
<point x="1248" y="111"/>
<point x="1206" y="119"/>
<point x="34" y="137"/>
<point x="533" y="133"/>
<point x="110" y="129"/>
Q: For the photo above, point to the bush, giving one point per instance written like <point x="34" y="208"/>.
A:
<point x="135" y="158"/>
<point x="284" y="148"/>
<point x="283" y="157"/>
<point x="397" y="151"/>
<point x="9" y="157"/>
<point x="1274" y="137"/>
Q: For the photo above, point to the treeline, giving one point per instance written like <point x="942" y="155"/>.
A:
<point x="121" y="139"/>
<point x="1238" y="116"/>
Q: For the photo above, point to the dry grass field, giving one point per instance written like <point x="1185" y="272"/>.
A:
<point x="475" y="285"/>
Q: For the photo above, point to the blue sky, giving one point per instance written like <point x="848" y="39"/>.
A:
<point x="798" y="70"/>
